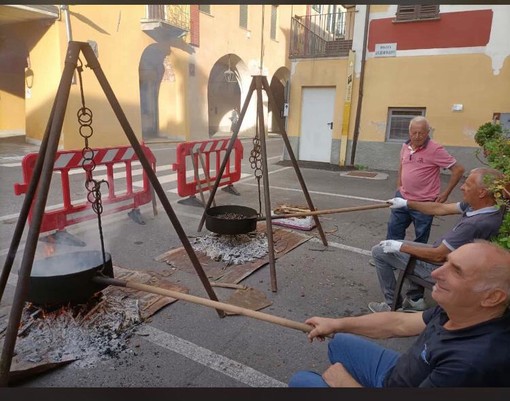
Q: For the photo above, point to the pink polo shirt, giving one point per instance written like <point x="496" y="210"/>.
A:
<point x="420" y="170"/>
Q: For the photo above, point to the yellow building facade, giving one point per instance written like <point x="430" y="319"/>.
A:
<point x="448" y="62"/>
<point x="166" y="65"/>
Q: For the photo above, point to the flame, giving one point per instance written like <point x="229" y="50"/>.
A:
<point x="49" y="249"/>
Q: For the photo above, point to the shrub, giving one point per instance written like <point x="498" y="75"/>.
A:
<point x="494" y="142"/>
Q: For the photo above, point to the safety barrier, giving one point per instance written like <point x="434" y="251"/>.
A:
<point x="214" y="151"/>
<point x="69" y="163"/>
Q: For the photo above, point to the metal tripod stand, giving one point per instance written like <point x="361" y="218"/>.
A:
<point x="259" y="83"/>
<point x="38" y="192"/>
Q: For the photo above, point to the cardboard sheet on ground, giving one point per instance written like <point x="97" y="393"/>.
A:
<point x="284" y="241"/>
<point x="135" y="306"/>
<point x="148" y="303"/>
<point x="248" y="298"/>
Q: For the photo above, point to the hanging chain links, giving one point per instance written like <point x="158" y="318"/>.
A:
<point x="88" y="164"/>
<point x="256" y="162"/>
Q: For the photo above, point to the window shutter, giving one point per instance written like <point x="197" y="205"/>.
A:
<point x="428" y="11"/>
<point x="417" y="12"/>
<point x="406" y="13"/>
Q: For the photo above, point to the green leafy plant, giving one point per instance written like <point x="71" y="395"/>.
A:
<point x="494" y="143"/>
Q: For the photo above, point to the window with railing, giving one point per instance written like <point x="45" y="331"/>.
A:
<point x="397" y="126"/>
<point x="417" y="12"/>
<point x="320" y="35"/>
<point x="243" y="16"/>
<point x="274" y="21"/>
<point x="175" y="18"/>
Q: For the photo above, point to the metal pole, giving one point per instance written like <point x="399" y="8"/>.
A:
<point x="272" y="103"/>
<point x="265" y="176"/>
<point x="94" y="65"/>
<point x="40" y="204"/>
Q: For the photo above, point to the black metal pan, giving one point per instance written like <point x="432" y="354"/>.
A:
<point x="66" y="278"/>
<point x="231" y="219"/>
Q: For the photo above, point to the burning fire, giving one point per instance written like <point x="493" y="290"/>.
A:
<point x="49" y="249"/>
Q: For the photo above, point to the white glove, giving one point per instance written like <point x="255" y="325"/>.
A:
<point x="397" y="203"/>
<point x="390" y="245"/>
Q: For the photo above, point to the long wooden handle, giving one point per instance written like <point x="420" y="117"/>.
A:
<point x="206" y="302"/>
<point x="328" y="211"/>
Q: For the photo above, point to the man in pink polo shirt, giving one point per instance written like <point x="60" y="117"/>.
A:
<point x="418" y="179"/>
<point x="421" y="161"/>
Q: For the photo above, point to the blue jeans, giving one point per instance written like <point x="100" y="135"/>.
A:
<point x="387" y="263"/>
<point x="402" y="218"/>
<point x="367" y="362"/>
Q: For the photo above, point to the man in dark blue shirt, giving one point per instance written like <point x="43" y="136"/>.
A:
<point x="462" y="342"/>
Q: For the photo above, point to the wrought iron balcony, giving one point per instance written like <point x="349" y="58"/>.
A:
<point x="166" y="21"/>
<point x="321" y="35"/>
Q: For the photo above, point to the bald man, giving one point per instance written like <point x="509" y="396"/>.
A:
<point x="464" y="341"/>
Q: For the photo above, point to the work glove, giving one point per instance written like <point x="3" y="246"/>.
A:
<point x="390" y="246"/>
<point x="397" y="203"/>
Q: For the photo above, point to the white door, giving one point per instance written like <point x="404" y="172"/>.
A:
<point x="316" y="124"/>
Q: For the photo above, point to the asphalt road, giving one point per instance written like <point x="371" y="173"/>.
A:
<point x="187" y="345"/>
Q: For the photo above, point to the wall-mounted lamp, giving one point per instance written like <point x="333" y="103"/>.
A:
<point x="29" y="78"/>
<point x="230" y="76"/>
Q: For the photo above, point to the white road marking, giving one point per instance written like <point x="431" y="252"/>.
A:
<point x="203" y="356"/>
<point x="319" y="193"/>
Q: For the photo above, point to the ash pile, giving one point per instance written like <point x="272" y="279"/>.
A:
<point x="87" y="333"/>
<point x="232" y="249"/>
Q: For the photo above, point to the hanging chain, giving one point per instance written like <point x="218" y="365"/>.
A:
<point x="88" y="164"/>
<point x="256" y="162"/>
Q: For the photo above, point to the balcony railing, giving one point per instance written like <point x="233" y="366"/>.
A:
<point x="166" y="21"/>
<point x="321" y="35"/>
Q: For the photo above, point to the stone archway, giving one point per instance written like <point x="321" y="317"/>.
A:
<point x="151" y="71"/>
<point x="223" y="97"/>
<point x="279" y="89"/>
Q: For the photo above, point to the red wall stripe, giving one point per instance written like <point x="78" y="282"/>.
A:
<point x="456" y="29"/>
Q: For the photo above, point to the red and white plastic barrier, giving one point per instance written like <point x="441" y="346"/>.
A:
<point x="69" y="164"/>
<point x="213" y="151"/>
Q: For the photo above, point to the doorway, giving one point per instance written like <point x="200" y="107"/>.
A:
<point x="316" y="124"/>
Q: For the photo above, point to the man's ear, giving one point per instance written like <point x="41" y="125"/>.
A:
<point x="494" y="298"/>
<point x="483" y="193"/>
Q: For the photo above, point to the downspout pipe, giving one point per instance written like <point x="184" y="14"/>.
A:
<point x="69" y="33"/>
<point x="360" y="92"/>
<point x="65" y="10"/>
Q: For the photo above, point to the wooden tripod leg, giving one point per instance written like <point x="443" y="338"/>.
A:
<point x="93" y="63"/>
<point x="39" y="206"/>
<point x="272" y="103"/>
